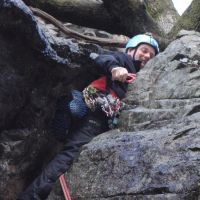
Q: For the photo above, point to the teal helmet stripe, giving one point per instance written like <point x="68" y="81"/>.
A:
<point x="142" y="39"/>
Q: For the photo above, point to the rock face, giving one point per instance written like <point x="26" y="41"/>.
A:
<point x="123" y="17"/>
<point x="133" y="16"/>
<point x="156" y="154"/>
<point x="34" y="73"/>
<point x="189" y="20"/>
<point x="91" y="13"/>
<point x="159" y="156"/>
<point x="165" y="18"/>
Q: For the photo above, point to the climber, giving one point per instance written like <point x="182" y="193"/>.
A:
<point x="95" y="109"/>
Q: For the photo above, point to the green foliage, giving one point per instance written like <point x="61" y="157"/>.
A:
<point x="190" y="20"/>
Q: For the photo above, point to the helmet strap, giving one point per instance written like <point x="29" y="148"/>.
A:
<point x="136" y="62"/>
<point x="135" y="53"/>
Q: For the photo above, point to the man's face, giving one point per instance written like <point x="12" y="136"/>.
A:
<point x="143" y="53"/>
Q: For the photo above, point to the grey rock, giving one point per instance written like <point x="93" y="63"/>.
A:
<point x="167" y="17"/>
<point x="32" y="77"/>
<point x="151" y="164"/>
<point x="156" y="153"/>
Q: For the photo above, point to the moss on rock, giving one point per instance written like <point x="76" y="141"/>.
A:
<point x="190" y="20"/>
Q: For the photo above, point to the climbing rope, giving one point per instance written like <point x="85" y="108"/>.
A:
<point x="64" y="187"/>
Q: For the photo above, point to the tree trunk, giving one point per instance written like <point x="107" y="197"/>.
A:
<point x="116" y="41"/>
<point x="190" y="20"/>
<point x="90" y="13"/>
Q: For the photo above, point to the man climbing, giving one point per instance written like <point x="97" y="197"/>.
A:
<point x="95" y="109"/>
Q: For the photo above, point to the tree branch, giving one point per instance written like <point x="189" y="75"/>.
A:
<point x="120" y="41"/>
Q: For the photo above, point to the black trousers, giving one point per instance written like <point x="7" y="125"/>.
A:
<point x="92" y="125"/>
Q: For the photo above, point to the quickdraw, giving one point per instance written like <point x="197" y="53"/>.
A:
<point x="106" y="102"/>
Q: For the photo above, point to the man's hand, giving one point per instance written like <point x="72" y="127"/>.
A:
<point x="119" y="74"/>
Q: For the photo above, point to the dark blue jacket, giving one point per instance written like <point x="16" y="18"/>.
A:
<point x="106" y="62"/>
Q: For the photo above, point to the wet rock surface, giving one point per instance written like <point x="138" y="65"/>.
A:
<point x="155" y="155"/>
<point x="35" y="71"/>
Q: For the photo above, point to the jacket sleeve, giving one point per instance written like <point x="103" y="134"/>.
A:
<point x="106" y="63"/>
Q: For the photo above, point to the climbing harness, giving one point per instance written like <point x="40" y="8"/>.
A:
<point x="97" y="100"/>
<point x="64" y="187"/>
